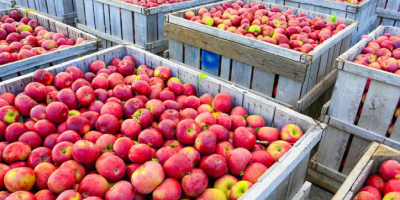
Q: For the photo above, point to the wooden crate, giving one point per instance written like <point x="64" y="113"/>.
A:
<point x="60" y="10"/>
<point x="25" y="66"/>
<point x="6" y="4"/>
<point x="284" y="180"/>
<point x="388" y="13"/>
<point x="123" y="23"/>
<point x="364" y="30"/>
<point x="369" y="164"/>
<point x="343" y="140"/>
<point x="363" y="13"/>
<point x="301" y="79"/>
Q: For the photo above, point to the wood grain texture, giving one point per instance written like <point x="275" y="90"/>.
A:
<point x="262" y="60"/>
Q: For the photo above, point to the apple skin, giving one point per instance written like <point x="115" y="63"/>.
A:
<point x="9" y="114"/>
<point x="78" y="168"/>
<point x="62" y="152"/>
<point x="57" y="112"/>
<point x="39" y="155"/>
<point x="214" y="165"/>
<point x="121" y="190"/>
<point x="239" y="189"/>
<point x="111" y="168"/>
<point x="205" y="142"/>
<point x="263" y="157"/>
<point x="16" y="151"/>
<point x="238" y="160"/>
<point x="222" y="102"/>
<point x="107" y="123"/>
<point x="372" y="190"/>
<point x="187" y="131"/>
<point x="253" y="172"/>
<point x="3" y="170"/>
<point x="225" y="183"/>
<point x="177" y="166"/>
<point x="169" y="189"/>
<point x="195" y="183"/>
<point x="122" y="146"/>
<point x="212" y="193"/>
<point x="151" y="137"/>
<point x="224" y="120"/>
<point x="376" y="181"/>
<point x="392" y="196"/>
<point x="192" y="154"/>
<point x="87" y="188"/>
<point x="22" y="178"/>
<point x="390" y="169"/>
<point x="65" y="174"/>
<point x="42" y="76"/>
<point x="85" y="152"/>
<point x="148" y="177"/>
<point x="291" y="133"/>
<point x="268" y="134"/>
<point x="140" y="153"/>
<point x="278" y="148"/>
<point x="242" y="137"/>
<point x="24" y="195"/>
<point x="224" y="148"/>
<point x="45" y="195"/>
<point x="43" y="172"/>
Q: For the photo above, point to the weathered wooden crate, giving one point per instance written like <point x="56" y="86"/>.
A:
<point x="300" y="79"/>
<point x="369" y="164"/>
<point x="388" y="13"/>
<point x="364" y="13"/>
<point x="344" y="140"/>
<point x="284" y="180"/>
<point x="28" y="65"/>
<point x="6" y="4"/>
<point x="60" y="10"/>
<point x="122" y="23"/>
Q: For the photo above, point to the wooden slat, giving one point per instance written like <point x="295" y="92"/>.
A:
<point x="263" y="82"/>
<point x="256" y="58"/>
<point x="127" y="25"/>
<point x="99" y="16"/>
<point x="176" y="50"/>
<point x="80" y="10"/>
<point x="151" y="28"/>
<point x="241" y="73"/>
<point x="303" y="192"/>
<point x="89" y="13"/>
<point x="140" y="29"/>
<point x="115" y="18"/>
<point x="226" y="68"/>
<point x="192" y="56"/>
<point x="288" y="90"/>
<point x="344" y="105"/>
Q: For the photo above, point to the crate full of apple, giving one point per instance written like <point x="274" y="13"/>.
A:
<point x="375" y="176"/>
<point x="129" y="123"/>
<point x="367" y="90"/>
<point x="34" y="40"/>
<point x="130" y="21"/>
<point x="270" y="47"/>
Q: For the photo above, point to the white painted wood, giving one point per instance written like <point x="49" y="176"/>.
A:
<point x="303" y="192"/>
<point x="288" y="90"/>
<point x="263" y="82"/>
<point x="225" y="68"/>
<point x="241" y="73"/>
<point x="192" y="56"/>
<point x="115" y="18"/>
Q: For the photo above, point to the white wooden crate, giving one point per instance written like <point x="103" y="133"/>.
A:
<point x="284" y="180"/>
<point x="60" y="10"/>
<point x="343" y="141"/>
<point x="388" y="13"/>
<point x="368" y="165"/>
<point x="122" y="23"/>
<point x="28" y="65"/>
<point x="301" y="79"/>
<point x="6" y="4"/>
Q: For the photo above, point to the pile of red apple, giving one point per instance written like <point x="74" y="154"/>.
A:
<point x="120" y="132"/>
<point x="152" y="3"/>
<point x="386" y="184"/>
<point x="21" y="38"/>
<point x="382" y="53"/>
<point x="253" y="20"/>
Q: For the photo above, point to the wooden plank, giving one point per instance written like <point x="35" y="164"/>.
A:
<point x="160" y="25"/>
<point x="127" y="26"/>
<point x="288" y="90"/>
<point x="263" y="82"/>
<point x="140" y="29"/>
<point x="297" y="178"/>
<point x="380" y="106"/>
<point x="344" y="105"/>
<point x="210" y="62"/>
<point x="42" y="6"/>
<point x="355" y="173"/>
<point x="303" y="192"/>
<point x="313" y="78"/>
<point x="151" y="28"/>
<point x="80" y="11"/>
<point x="323" y="66"/>
<point x="362" y="178"/>
<point x="99" y="16"/>
<point x="115" y="18"/>
<point x="241" y="73"/>
<point x="89" y="13"/>
<point x="192" y="56"/>
<point x="51" y="8"/>
<point x="175" y="50"/>
<point x="226" y="68"/>
<point x="267" y="62"/>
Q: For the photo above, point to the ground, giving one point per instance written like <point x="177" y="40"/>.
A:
<point x="318" y="193"/>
